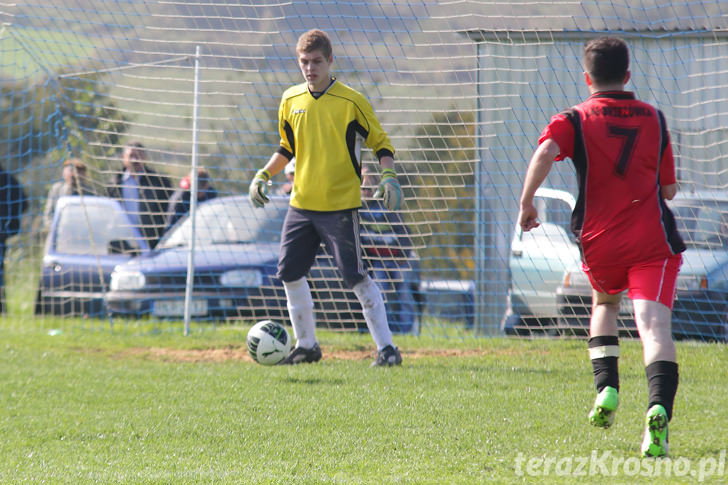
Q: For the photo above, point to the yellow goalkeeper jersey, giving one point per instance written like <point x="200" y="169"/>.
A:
<point x="325" y="134"/>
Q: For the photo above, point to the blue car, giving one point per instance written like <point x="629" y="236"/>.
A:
<point x="236" y="250"/>
<point x="88" y="237"/>
<point x="700" y="310"/>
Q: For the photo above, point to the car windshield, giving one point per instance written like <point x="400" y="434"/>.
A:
<point x="702" y="224"/>
<point x="88" y="229"/>
<point x="230" y="221"/>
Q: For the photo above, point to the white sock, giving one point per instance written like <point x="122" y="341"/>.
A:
<point x="372" y="303"/>
<point x="300" y="311"/>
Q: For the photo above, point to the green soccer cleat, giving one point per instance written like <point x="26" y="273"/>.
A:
<point x="655" y="442"/>
<point x="605" y="407"/>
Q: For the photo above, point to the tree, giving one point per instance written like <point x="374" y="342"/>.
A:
<point x="444" y="150"/>
<point x="57" y="113"/>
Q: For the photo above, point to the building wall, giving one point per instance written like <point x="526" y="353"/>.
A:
<point x="523" y="83"/>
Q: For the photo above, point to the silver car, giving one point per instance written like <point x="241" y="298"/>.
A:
<point x="700" y="310"/>
<point x="537" y="263"/>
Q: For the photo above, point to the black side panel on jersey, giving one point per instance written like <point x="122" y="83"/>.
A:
<point x="353" y="129"/>
<point x="289" y="136"/>
<point x="677" y="245"/>
<point x="664" y="136"/>
<point x="580" y="165"/>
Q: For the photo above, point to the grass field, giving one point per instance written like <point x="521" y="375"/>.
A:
<point x="32" y="52"/>
<point x="88" y="406"/>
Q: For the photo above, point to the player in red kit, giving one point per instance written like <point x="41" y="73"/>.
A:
<point x="620" y="148"/>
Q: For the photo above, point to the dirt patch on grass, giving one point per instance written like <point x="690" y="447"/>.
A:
<point x="225" y="354"/>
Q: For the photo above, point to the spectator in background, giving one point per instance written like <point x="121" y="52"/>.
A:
<point x="143" y="193"/>
<point x="179" y="203"/>
<point x="74" y="183"/>
<point x="13" y="203"/>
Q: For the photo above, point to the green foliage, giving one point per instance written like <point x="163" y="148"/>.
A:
<point x="94" y="123"/>
<point x="35" y="51"/>
<point x="445" y="151"/>
<point x="58" y="113"/>
<point x="87" y="407"/>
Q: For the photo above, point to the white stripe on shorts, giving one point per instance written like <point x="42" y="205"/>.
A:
<point x="662" y="281"/>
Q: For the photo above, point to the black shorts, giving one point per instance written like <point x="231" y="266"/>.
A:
<point x="302" y="234"/>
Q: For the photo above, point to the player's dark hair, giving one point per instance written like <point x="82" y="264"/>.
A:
<point x="136" y="148"/>
<point x="606" y="59"/>
<point x="313" y="40"/>
<point x="137" y="145"/>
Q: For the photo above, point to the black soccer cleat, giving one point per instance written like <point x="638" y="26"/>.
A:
<point x="301" y="355"/>
<point x="388" y="357"/>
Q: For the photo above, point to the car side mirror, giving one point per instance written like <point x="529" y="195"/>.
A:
<point x="122" y="246"/>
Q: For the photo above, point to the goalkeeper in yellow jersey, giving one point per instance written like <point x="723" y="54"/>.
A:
<point x="322" y="123"/>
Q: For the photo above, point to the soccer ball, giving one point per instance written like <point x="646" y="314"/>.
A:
<point x="268" y="342"/>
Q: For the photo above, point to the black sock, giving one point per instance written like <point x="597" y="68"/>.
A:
<point x="662" y="378"/>
<point x="604" y="355"/>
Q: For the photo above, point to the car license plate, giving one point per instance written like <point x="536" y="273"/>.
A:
<point x="176" y="308"/>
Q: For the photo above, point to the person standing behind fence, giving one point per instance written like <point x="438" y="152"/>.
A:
<point x="74" y="183"/>
<point x="143" y="193"/>
<point x="322" y="123"/>
<point x="179" y="203"/>
<point x="620" y="148"/>
<point x="13" y="202"/>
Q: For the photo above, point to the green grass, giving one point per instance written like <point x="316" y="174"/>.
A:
<point x="32" y="52"/>
<point x="86" y="406"/>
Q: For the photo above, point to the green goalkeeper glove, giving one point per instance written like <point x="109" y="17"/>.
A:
<point x="389" y="189"/>
<point x="258" y="190"/>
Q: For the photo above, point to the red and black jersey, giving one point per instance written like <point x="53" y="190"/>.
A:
<point x="621" y="150"/>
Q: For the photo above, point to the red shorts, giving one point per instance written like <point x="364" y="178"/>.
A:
<point x="652" y="280"/>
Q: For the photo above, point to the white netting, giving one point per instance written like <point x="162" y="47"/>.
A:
<point x="463" y="88"/>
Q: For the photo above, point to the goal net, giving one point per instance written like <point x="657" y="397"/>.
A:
<point x="190" y="89"/>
